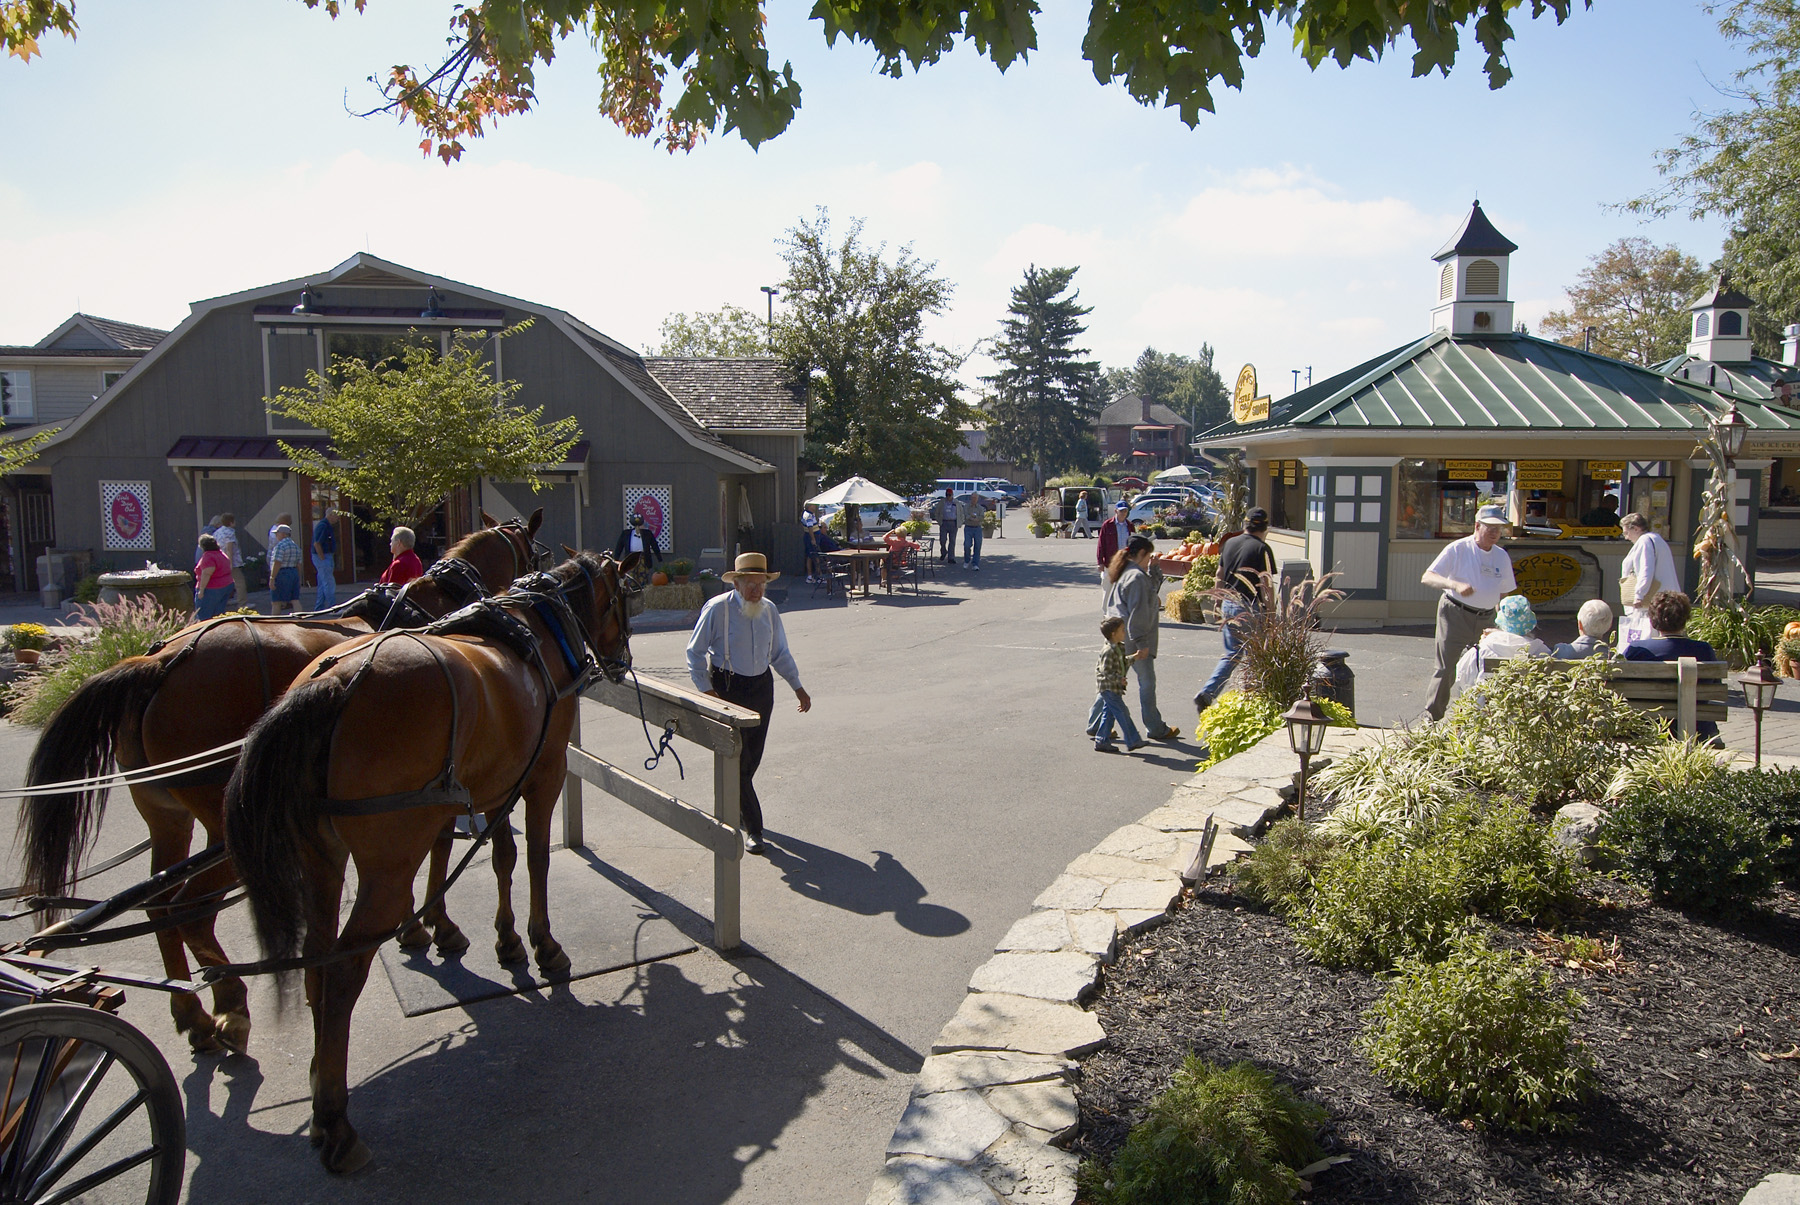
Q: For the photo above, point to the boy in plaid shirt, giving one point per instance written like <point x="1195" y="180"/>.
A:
<point x="1110" y="706"/>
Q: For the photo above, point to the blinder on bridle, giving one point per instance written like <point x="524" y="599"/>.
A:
<point x="546" y="588"/>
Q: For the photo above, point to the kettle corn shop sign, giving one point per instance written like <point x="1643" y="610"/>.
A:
<point x="1246" y="407"/>
<point x="1544" y="577"/>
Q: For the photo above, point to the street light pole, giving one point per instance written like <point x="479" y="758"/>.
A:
<point x="769" y="291"/>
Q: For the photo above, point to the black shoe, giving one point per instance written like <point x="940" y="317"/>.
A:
<point x="1105" y="747"/>
<point x="1136" y="747"/>
<point x="1202" y="701"/>
<point x="1170" y="733"/>
<point x="753" y="843"/>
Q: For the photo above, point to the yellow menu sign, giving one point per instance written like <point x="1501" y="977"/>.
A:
<point x="1469" y="470"/>
<point x="1606" y="470"/>
<point x="1246" y="407"/>
<point x="1538" y="475"/>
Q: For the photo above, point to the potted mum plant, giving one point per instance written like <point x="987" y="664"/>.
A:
<point x="679" y="569"/>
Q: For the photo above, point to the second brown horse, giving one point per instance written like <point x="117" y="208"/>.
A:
<point x="204" y="688"/>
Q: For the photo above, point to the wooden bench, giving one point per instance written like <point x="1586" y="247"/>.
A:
<point x="1684" y="691"/>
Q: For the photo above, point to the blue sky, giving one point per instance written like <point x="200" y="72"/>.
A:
<point x="153" y="165"/>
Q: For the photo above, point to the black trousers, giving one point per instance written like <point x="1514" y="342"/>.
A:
<point x="758" y="694"/>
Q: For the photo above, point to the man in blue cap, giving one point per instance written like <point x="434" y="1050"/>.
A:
<point x="1474" y="573"/>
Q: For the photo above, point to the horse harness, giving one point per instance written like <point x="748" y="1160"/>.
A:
<point x="490" y="618"/>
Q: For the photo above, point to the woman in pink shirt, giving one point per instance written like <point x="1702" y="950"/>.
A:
<point x="212" y="579"/>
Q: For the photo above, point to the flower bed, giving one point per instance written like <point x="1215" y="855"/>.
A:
<point x="1691" y="1099"/>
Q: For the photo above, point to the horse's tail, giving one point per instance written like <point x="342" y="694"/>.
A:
<point x="79" y="742"/>
<point x="269" y="807"/>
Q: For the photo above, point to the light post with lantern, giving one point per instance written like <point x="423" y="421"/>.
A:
<point x="1306" y="725"/>
<point x="1759" y="685"/>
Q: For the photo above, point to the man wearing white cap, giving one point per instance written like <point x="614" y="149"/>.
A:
<point x="737" y="642"/>
<point x="1474" y="573"/>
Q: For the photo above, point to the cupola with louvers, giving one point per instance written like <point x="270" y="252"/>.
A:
<point x="1472" y="280"/>
<point x="1721" y="324"/>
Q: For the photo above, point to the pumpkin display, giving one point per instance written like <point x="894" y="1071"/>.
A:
<point x="659" y="578"/>
<point x="1792" y="631"/>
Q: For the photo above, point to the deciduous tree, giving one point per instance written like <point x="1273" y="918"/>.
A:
<point x="1168" y="53"/>
<point x="1191" y="387"/>
<point x="1635" y="295"/>
<point x="1741" y="163"/>
<point x="410" y="428"/>
<point x="882" y="399"/>
<point x="1046" y="397"/>
<point x="15" y="454"/>
<point x="730" y="330"/>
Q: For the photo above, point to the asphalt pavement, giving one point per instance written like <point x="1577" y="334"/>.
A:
<point x="941" y="781"/>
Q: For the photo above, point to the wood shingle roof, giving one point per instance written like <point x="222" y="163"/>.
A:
<point x="733" y="394"/>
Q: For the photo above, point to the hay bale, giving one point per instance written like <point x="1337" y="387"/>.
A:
<point x="685" y="597"/>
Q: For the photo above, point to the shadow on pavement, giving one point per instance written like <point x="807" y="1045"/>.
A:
<point x="855" y="886"/>
<point x="668" y="1091"/>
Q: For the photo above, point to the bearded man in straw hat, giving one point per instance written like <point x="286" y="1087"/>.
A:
<point x="736" y="644"/>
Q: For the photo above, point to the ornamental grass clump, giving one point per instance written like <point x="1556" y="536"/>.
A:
<point x="1668" y="766"/>
<point x="1281" y="643"/>
<point x="1482" y="1034"/>
<point x="123" y="629"/>
<point x="1215" y="1136"/>
<point x="1548" y="732"/>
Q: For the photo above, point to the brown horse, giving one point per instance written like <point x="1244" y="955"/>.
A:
<point x="203" y="688"/>
<point x="375" y="749"/>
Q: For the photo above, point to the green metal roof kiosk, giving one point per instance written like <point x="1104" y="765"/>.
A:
<point x="1369" y="473"/>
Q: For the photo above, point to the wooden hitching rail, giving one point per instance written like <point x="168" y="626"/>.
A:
<point x="709" y="722"/>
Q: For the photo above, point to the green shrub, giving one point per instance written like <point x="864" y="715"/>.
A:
<point x="1547" y="731"/>
<point x="1234" y="722"/>
<point x="1202" y="574"/>
<point x="1773" y="798"/>
<point x="1698" y="849"/>
<point x="1484" y="1034"/>
<point x="87" y="590"/>
<point x="1410" y="894"/>
<point x="1237" y="720"/>
<point x="1372" y="907"/>
<point x="1668" y="766"/>
<point x="122" y="629"/>
<point x="1279" y="872"/>
<point x="1513" y="868"/>
<point x="1216" y="1136"/>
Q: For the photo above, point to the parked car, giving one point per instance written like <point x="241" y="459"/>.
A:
<point x="1147" y="508"/>
<point x="875" y="518"/>
<point x="1015" y="493"/>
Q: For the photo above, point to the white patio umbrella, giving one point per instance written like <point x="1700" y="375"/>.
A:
<point x="1181" y="472"/>
<point x="856" y="491"/>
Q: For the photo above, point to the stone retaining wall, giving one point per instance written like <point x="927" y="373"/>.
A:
<point x="994" y="1097"/>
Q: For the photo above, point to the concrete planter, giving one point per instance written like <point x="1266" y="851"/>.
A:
<point x="173" y="589"/>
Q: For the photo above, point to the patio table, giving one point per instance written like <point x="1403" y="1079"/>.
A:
<point x="859" y="561"/>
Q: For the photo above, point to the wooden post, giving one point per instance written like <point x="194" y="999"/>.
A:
<point x="571" y="817"/>
<point x="726" y="785"/>
<point x="1687" y="695"/>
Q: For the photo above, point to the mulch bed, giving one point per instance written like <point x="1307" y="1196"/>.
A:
<point x="1685" y="1109"/>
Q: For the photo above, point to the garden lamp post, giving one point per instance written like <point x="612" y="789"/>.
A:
<point x="1759" y="685"/>
<point x="1306" y="726"/>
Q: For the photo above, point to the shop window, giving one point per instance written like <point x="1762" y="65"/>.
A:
<point x="1597" y="500"/>
<point x="1483" y="278"/>
<point x="1433" y="499"/>
<point x="1415" y="498"/>
<point x="1731" y="323"/>
<point x="1287" y="494"/>
<point x="1702" y="325"/>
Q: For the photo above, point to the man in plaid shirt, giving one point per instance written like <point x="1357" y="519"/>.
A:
<point x="284" y="570"/>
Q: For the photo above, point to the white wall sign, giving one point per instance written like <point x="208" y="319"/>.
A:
<point x="656" y="503"/>
<point x="125" y="517"/>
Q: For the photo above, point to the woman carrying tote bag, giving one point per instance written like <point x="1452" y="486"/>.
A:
<point x="1649" y="568"/>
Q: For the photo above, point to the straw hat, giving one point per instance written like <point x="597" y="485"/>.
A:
<point x="753" y="563"/>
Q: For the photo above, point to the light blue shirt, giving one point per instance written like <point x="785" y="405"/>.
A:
<point x="726" y="638"/>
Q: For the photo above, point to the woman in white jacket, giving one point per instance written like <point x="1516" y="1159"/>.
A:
<point x="1649" y="567"/>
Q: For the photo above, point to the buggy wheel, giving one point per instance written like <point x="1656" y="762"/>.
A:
<point x="88" y="1100"/>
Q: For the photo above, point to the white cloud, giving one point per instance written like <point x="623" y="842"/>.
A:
<point x="1265" y="212"/>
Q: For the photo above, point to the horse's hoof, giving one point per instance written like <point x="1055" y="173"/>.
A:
<point x="344" y="1158"/>
<point x="417" y="937"/>
<point x="510" y="953"/>
<point x="207" y="1043"/>
<point x="234" y="1031"/>
<point x="315" y="1134"/>
<point x="552" y="959"/>
<point x="451" y="940"/>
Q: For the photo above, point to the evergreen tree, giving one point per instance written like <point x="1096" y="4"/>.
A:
<point x="1190" y="387"/>
<point x="1046" y="398"/>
